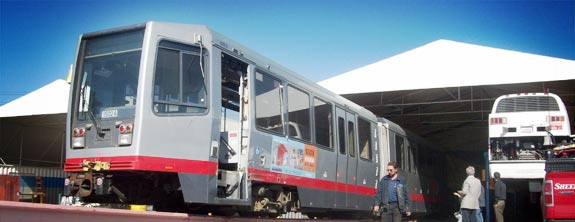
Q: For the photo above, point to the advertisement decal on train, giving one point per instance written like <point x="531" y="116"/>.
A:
<point x="294" y="158"/>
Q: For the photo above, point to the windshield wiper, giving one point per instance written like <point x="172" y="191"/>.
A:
<point x="90" y="114"/>
<point x="98" y="129"/>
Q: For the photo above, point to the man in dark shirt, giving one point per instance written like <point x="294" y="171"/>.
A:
<point x="392" y="196"/>
<point x="500" y="196"/>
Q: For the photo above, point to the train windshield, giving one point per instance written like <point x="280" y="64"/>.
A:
<point x="108" y="75"/>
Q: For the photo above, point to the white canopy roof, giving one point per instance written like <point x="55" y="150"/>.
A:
<point x="446" y="63"/>
<point x="50" y="99"/>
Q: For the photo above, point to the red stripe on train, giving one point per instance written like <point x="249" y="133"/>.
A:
<point x="279" y="178"/>
<point x="162" y="164"/>
<point x="424" y="198"/>
<point x="149" y="163"/>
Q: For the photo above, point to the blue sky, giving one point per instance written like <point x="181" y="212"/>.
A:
<point x="316" y="38"/>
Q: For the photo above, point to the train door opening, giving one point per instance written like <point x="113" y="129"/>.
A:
<point x="351" y="160"/>
<point x="341" y="165"/>
<point x="232" y="158"/>
<point x="384" y="151"/>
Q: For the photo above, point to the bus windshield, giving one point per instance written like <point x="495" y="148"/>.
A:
<point x="108" y="75"/>
<point x="527" y="104"/>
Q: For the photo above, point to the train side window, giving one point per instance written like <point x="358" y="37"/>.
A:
<point x="413" y="156"/>
<point x="417" y="157"/>
<point x="298" y="114"/>
<point x="268" y="103"/>
<point x="407" y="156"/>
<point x="399" y="150"/>
<point x="179" y="81"/>
<point x="341" y="134"/>
<point x="323" y="113"/>
<point x="364" y="138"/>
<point x="351" y="138"/>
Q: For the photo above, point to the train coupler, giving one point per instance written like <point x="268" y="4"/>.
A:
<point x="94" y="165"/>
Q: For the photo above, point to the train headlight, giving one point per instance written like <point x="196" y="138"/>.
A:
<point x="78" y="142"/>
<point x="125" y="139"/>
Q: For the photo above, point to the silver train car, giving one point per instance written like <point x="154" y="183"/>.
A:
<point x="184" y="119"/>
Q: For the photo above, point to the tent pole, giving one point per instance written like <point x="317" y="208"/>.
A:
<point x="62" y="150"/>
<point x="21" y="148"/>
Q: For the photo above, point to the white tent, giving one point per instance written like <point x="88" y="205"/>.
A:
<point x="50" y="99"/>
<point x="445" y="63"/>
<point x="444" y="90"/>
<point x="32" y="127"/>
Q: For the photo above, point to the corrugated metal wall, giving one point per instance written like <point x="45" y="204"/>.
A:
<point x="9" y="187"/>
<point x="52" y="180"/>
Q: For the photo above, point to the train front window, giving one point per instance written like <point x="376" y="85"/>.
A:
<point x="109" y="67"/>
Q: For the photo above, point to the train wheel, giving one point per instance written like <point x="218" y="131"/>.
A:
<point x="251" y="214"/>
<point x="226" y="212"/>
<point x="317" y="215"/>
<point x="274" y="215"/>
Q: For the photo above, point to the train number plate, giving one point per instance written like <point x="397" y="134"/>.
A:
<point x="109" y="113"/>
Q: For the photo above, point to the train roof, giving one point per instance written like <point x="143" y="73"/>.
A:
<point x="392" y="126"/>
<point x="264" y="63"/>
<point x="404" y="132"/>
<point x="290" y="75"/>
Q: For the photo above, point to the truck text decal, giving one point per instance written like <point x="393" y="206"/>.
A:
<point x="559" y="186"/>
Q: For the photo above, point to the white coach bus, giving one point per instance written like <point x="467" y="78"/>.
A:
<point x="522" y="128"/>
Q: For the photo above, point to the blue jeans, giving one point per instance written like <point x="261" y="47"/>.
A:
<point x="468" y="215"/>
<point x="392" y="213"/>
<point x="479" y="215"/>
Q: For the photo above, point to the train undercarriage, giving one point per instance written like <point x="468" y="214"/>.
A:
<point x="162" y="192"/>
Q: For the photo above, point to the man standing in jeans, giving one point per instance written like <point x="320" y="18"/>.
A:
<point x="392" y="196"/>
<point x="500" y="195"/>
